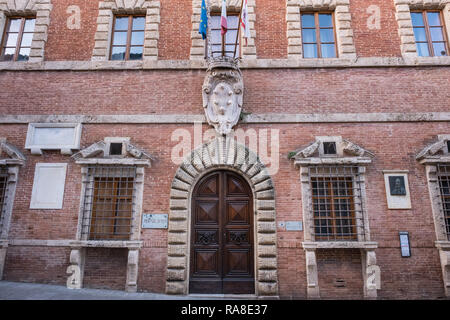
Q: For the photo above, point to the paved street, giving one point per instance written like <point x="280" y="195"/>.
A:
<point x="32" y="291"/>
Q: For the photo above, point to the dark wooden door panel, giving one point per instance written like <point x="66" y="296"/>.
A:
<point x="222" y="235"/>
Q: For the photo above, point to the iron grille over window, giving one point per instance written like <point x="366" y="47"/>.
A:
<point x="443" y="171"/>
<point x="109" y="202"/>
<point x="3" y="182"/>
<point x="337" y="203"/>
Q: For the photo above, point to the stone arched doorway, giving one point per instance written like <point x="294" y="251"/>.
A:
<point x="222" y="153"/>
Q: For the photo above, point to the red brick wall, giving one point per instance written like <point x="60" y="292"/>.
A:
<point x="175" y="30"/>
<point x="66" y="44"/>
<point x="383" y="42"/>
<point x="363" y="90"/>
<point x="270" y="27"/>
<point x="394" y="146"/>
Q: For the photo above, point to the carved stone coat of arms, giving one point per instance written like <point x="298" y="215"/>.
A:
<point x="223" y="95"/>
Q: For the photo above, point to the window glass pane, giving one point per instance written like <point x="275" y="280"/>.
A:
<point x="308" y="21"/>
<point x="326" y="35"/>
<point x="120" y="38"/>
<point x="217" y="48"/>
<point x="422" y="49"/>
<point x="26" y="40"/>
<point x="118" y="53"/>
<point x="216" y="37"/>
<point x="328" y="51"/>
<point x="29" y="25"/>
<point x="417" y="19"/>
<point x="230" y="50"/>
<point x="24" y="54"/>
<point x="434" y="18"/>
<point x="439" y="49"/>
<point x="14" y="25"/>
<point x="232" y="22"/>
<point x="309" y="35"/>
<point x="12" y="40"/>
<point x="436" y="34"/>
<point x="139" y="23"/>
<point x="325" y="20"/>
<point x="310" y="51"/>
<point x="136" y="53"/>
<point x="9" y="54"/>
<point x="121" y="23"/>
<point x="420" y="34"/>
<point x="137" y="38"/>
<point x="215" y="22"/>
<point x="230" y="37"/>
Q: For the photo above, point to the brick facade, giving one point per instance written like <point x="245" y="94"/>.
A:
<point x="392" y="104"/>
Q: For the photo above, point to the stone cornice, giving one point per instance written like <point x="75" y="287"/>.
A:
<point x="369" y="62"/>
<point x="253" y="118"/>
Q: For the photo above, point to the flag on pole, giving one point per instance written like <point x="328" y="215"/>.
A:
<point x="245" y="22"/>
<point x="203" y="21"/>
<point x="223" y="18"/>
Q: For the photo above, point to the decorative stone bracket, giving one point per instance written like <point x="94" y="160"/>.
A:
<point x="444" y="254"/>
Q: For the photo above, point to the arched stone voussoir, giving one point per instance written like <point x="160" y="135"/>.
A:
<point x="222" y="153"/>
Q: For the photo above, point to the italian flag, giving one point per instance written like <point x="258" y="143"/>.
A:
<point x="245" y="22"/>
<point x="223" y="18"/>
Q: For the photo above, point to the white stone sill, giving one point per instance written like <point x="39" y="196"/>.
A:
<point x="289" y="63"/>
<point x="345" y="160"/>
<point x="443" y="245"/>
<point x="340" y="245"/>
<point x="435" y="160"/>
<point x="11" y="162"/>
<point x="131" y="162"/>
<point x="105" y="244"/>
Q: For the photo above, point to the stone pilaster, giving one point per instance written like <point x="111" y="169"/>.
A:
<point x="444" y="255"/>
<point x="3" y="249"/>
<point x="76" y="268"/>
<point x="371" y="273"/>
<point x="312" y="279"/>
<point x="132" y="270"/>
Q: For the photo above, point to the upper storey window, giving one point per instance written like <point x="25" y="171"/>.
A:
<point x="318" y="35"/>
<point x="17" y="39"/>
<point x="227" y="44"/>
<point x="128" y="38"/>
<point x="429" y="33"/>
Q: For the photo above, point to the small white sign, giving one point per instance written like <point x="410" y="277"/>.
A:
<point x="155" y="221"/>
<point x="294" y="225"/>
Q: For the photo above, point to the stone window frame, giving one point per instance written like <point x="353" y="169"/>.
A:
<point x="198" y="51"/>
<point x="98" y="154"/>
<point x="23" y="8"/>
<point x="342" y="20"/>
<point x="109" y="8"/>
<point x="12" y="162"/>
<point x="432" y="155"/>
<point x="405" y="29"/>
<point x="347" y="153"/>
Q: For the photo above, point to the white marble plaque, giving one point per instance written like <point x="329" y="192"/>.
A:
<point x="294" y="225"/>
<point x="397" y="189"/>
<point x="155" y="221"/>
<point x="48" y="186"/>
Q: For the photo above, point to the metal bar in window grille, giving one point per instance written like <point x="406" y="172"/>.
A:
<point x="108" y="203"/>
<point x="443" y="173"/>
<point x="337" y="206"/>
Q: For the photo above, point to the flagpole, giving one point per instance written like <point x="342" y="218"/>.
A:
<point x="239" y="29"/>
<point x="208" y="30"/>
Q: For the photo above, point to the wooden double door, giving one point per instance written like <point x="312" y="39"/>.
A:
<point x="221" y="258"/>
